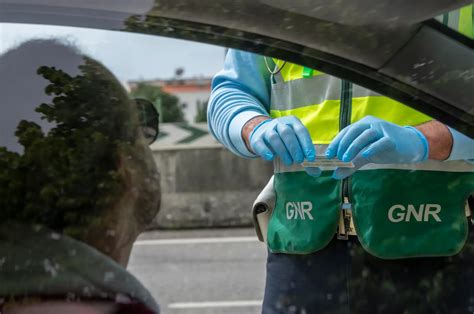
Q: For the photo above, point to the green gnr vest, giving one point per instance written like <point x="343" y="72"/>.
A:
<point x="399" y="210"/>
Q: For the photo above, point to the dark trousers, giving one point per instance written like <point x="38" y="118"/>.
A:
<point x="343" y="278"/>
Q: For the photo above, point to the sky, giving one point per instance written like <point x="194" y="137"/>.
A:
<point x="129" y="56"/>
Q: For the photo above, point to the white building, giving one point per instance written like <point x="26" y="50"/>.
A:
<point x="190" y="92"/>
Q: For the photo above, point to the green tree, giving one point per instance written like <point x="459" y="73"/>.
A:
<point x="170" y="110"/>
<point x="201" y="115"/>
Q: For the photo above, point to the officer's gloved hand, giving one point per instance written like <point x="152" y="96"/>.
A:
<point x="372" y="140"/>
<point x="284" y="137"/>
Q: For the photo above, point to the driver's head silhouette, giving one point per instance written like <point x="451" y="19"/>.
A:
<point x="72" y="158"/>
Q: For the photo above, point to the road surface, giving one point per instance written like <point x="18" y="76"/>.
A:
<point x="202" y="271"/>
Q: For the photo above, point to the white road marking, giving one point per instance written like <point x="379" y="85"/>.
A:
<point x="197" y="305"/>
<point x="197" y="241"/>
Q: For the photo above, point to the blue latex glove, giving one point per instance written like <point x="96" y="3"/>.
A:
<point x="372" y="140"/>
<point x="284" y="137"/>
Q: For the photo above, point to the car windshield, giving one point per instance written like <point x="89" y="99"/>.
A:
<point x="63" y="116"/>
<point x="141" y="172"/>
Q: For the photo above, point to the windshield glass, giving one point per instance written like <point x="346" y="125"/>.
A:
<point x="140" y="172"/>
<point x="77" y="168"/>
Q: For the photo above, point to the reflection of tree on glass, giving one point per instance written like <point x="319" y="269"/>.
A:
<point x="83" y="172"/>
<point x="169" y="108"/>
<point x="201" y="115"/>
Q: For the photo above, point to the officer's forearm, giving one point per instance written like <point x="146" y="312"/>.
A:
<point x="248" y="128"/>
<point x="440" y="140"/>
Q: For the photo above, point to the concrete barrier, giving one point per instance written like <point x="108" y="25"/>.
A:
<point x="207" y="187"/>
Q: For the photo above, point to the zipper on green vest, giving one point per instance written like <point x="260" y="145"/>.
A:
<point x="346" y="104"/>
<point x="346" y="207"/>
<point x="345" y="220"/>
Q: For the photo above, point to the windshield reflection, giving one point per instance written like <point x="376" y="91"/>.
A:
<point x="74" y="170"/>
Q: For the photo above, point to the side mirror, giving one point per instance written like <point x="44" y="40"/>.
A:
<point x="148" y="118"/>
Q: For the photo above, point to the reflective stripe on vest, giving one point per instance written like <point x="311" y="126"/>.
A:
<point x="460" y="20"/>
<point x="316" y="102"/>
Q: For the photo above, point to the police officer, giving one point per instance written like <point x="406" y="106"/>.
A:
<point x="400" y="208"/>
